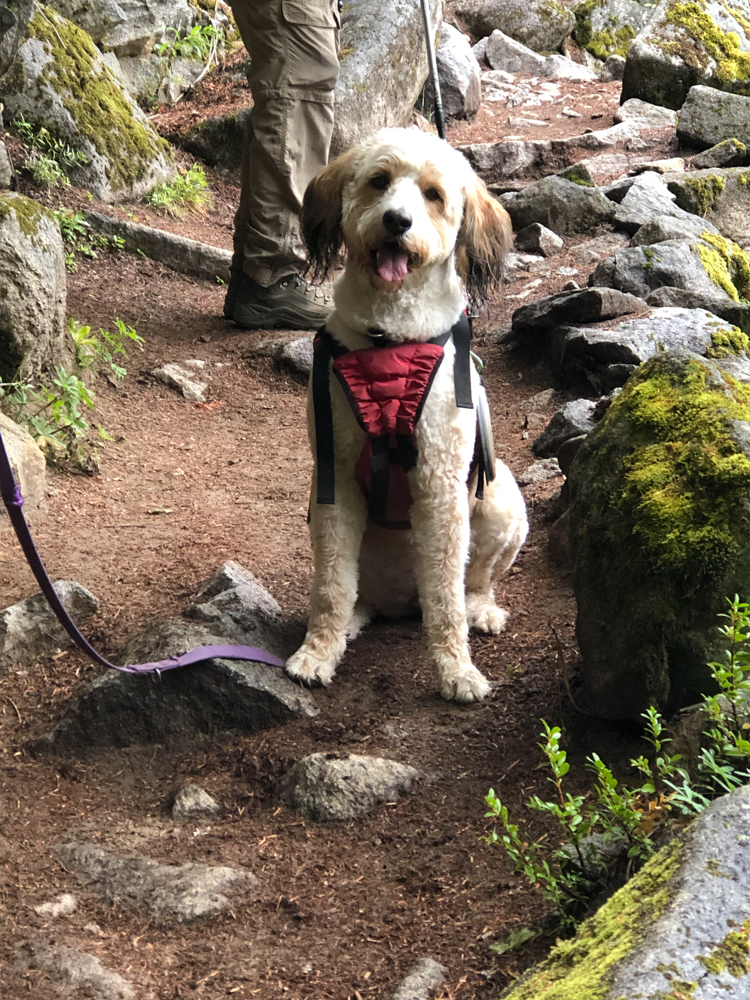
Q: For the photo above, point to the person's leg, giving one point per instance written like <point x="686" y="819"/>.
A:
<point x="293" y="46"/>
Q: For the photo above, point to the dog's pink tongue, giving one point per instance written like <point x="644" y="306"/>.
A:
<point x="392" y="264"/>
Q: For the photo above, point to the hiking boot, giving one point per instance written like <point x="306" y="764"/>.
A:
<point x="233" y="288"/>
<point x="289" y="304"/>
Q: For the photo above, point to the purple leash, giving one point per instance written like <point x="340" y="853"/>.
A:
<point x="14" y="500"/>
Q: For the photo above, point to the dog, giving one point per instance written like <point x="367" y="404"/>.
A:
<point x="423" y="239"/>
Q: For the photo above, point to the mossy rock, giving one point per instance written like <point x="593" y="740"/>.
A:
<point x="719" y="195"/>
<point x="689" y="42"/>
<point x="607" y="27"/>
<point x="541" y="25"/>
<point x="660" y="513"/>
<point x="218" y="141"/>
<point x="15" y="21"/>
<point x="60" y="81"/>
<point x="678" y="930"/>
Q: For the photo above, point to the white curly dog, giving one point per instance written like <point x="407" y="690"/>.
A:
<point x="423" y="238"/>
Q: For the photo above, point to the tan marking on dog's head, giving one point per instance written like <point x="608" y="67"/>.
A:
<point x="484" y="240"/>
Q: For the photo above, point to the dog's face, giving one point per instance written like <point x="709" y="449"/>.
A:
<point x="402" y="202"/>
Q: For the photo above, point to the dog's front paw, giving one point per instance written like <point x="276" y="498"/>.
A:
<point x="311" y="668"/>
<point x="464" y="684"/>
<point x="483" y="615"/>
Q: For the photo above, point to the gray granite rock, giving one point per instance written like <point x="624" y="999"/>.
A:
<point x="193" y="802"/>
<point x="232" y="576"/>
<point x="6" y="168"/>
<point x="341" y="786"/>
<point x="128" y="27"/>
<point x="77" y="973"/>
<point x="62" y="906"/>
<point x="182" y="380"/>
<point x="218" y="141"/>
<point x="646" y="115"/>
<point x="297" y="356"/>
<point x="29" y="631"/>
<point x="729" y="153"/>
<point x="646" y="199"/>
<point x="14" y="26"/>
<point x="671" y="227"/>
<point x="538" y="239"/>
<point x="581" y="305"/>
<point x="542" y="25"/>
<point x="539" y="472"/>
<point x="165" y="893"/>
<point x="710" y="116"/>
<point x="720" y="195"/>
<point x="27" y="462"/>
<point x="606" y="28"/>
<point x="459" y="74"/>
<point x="571" y="420"/>
<point x="639" y="270"/>
<point x="735" y="313"/>
<point x="507" y="54"/>
<point x="613" y="69"/>
<point x="560" y="205"/>
<point x="421" y="981"/>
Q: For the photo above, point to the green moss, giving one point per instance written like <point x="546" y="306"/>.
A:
<point x="726" y="264"/>
<point x="728" y="342"/>
<point x="94" y="101"/>
<point x="650" y="254"/>
<point x="723" y="47"/>
<point x="744" y="178"/>
<point x="680" y="483"/>
<point x="713" y="867"/>
<point x="605" y="42"/>
<point x="732" y="955"/>
<point x="698" y="194"/>
<point x="582" y="967"/>
<point x="28" y="213"/>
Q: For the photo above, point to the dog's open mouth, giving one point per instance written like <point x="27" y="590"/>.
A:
<point x="391" y="261"/>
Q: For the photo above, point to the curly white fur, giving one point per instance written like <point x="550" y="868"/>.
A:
<point x="445" y="563"/>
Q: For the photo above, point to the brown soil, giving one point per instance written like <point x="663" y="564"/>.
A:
<point x="344" y="909"/>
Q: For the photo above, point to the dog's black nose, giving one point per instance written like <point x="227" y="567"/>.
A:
<point x="396" y="222"/>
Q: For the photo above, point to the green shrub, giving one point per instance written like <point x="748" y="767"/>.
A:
<point x="188" y="190"/>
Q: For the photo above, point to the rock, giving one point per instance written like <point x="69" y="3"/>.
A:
<point x="29" y="630"/>
<point x="648" y="198"/>
<point x="118" y="710"/>
<point x="218" y="141"/>
<point x="663" y="166"/>
<point x="75" y="971"/>
<point x="504" y="53"/>
<point x="542" y="25"/>
<point x="235" y="613"/>
<point x="583" y="305"/>
<point x="578" y="173"/>
<point x="539" y="472"/>
<point x="182" y="381"/>
<point x="639" y="270"/>
<point x="603" y="358"/>
<point x="149" y="78"/>
<point x="645" y="115"/>
<point x="232" y="576"/>
<point x="459" y="74"/>
<point x="676" y="927"/>
<point x="559" y="540"/>
<point x="649" y="644"/>
<point x="60" y="81"/>
<point x="13" y="27"/>
<point x="539" y="239"/>
<point x="26" y="460"/>
<point x="560" y="205"/>
<point x="62" y="906"/>
<point x="669" y="227"/>
<point x="334" y="786"/>
<point x="568" y="451"/>
<point x="32" y="303"/>
<point x="375" y="35"/>
<point x="722" y="196"/>
<point x="192" y="802"/>
<point x="710" y="116"/>
<point x="613" y="69"/>
<point x="176" y="252"/>
<point x="729" y="153"/>
<point x="681" y="47"/>
<point x="422" y="980"/>
<point x="592" y="251"/>
<point x="6" y="168"/>
<point x="734" y="313"/>
<point x="128" y="27"/>
<point x="479" y="51"/>
<point x="606" y="28"/>
<point x="571" y="420"/>
<point x="297" y="355"/>
<point x="165" y="893"/>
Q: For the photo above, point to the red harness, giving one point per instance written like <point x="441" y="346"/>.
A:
<point x="387" y="387"/>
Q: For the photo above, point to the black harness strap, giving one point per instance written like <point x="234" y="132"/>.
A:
<point x="325" y="349"/>
<point x="462" y="366"/>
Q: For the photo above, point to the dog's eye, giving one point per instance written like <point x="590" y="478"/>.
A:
<point x="380" y="181"/>
<point x="432" y="194"/>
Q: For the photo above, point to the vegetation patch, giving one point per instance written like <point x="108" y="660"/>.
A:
<point x="28" y="213"/>
<point x="189" y="190"/>
<point x="732" y="955"/>
<point x="614" y="40"/>
<point x="698" y="194"/>
<point x="726" y="264"/>
<point x="723" y="47"/>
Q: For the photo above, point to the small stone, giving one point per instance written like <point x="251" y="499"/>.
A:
<point x="668" y="227"/>
<point x="570" y="113"/>
<point x="659" y="166"/>
<point x="729" y="153"/>
<point x="585" y="305"/>
<point x="527" y="123"/>
<point x="536" y="238"/>
<point x="297" y="356"/>
<point x="613" y="69"/>
<point x="92" y="928"/>
<point x="182" y="381"/>
<point x="570" y="286"/>
<point x="61" y="906"/>
<point x="192" y="801"/>
<point x="422" y="981"/>
<point x="77" y="972"/>
<point x="232" y="576"/>
<point x="30" y="631"/>
<point x="539" y="401"/>
<point x="645" y="115"/>
<point x="539" y="472"/>
<point x="571" y="420"/>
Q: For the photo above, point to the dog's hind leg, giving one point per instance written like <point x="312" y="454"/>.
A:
<point x="336" y="533"/>
<point x="498" y="530"/>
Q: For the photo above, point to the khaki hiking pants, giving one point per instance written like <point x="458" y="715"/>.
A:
<point x="293" y="49"/>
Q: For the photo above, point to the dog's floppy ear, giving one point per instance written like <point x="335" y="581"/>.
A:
<point x="484" y="239"/>
<point x="321" y="215"/>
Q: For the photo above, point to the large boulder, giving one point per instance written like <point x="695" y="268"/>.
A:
<point x="677" y="930"/>
<point x="561" y="205"/>
<point x="721" y="196"/>
<point x="218" y="141"/>
<point x="128" y="27"/>
<point x="459" y="73"/>
<point x="660" y="515"/>
<point x="32" y="289"/>
<point x="506" y="53"/>
<point x="710" y="116"/>
<point x="542" y="25"/>
<point x="607" y="27"/>
<point x="14" y="18"/>
<point x="701" y="42"/>
<point x="648" y="198"/>
<point x="60" y="80"/>
<point x="383" y="67"/>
